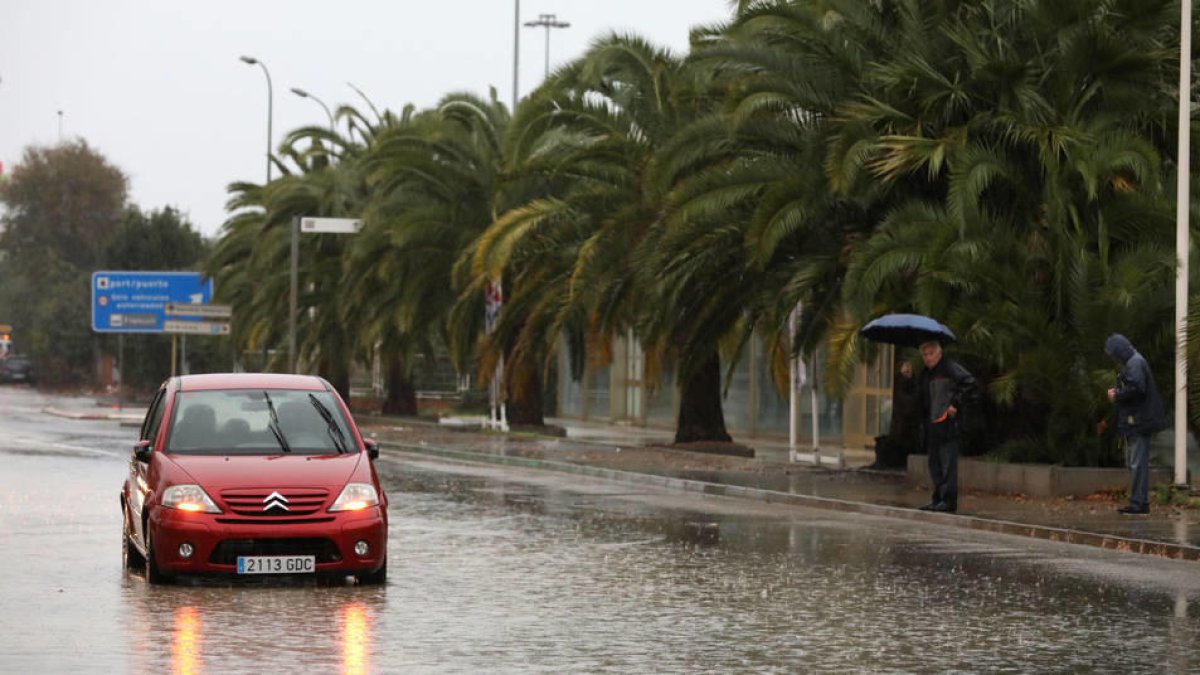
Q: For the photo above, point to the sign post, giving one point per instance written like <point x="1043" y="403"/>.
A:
<point x="136" y="302"/>
<point x="180" y="329"/>
<point x="493" y="300"/>
<point x="309" y="225"/>
<point x="155" y="302"/>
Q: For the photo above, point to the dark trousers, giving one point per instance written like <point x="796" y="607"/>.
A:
<point x="943" y="471"/>
<point x="1137" y="455"/>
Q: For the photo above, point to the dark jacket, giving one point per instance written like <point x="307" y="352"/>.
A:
<point x="947" y="384"/>
<point x="1139" y="408"/>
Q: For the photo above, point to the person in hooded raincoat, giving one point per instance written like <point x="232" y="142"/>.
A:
<point x="945" y="389"/>
<point x="1140" y="415"/>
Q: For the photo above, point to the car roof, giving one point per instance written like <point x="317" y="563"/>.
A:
<point x="212" y="381"/>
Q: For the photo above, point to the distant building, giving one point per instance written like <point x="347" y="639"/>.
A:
<point x="753" y="406"/>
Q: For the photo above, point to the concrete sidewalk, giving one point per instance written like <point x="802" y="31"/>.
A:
<point x="640" y="456"/>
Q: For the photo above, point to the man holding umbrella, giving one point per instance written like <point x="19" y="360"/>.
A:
<point x="944" y="389"/>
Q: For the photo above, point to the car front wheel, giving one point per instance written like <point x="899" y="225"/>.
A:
<point x="130" y="556"/>
<point x="154" y="575"/>
<point x="376" y="578"/>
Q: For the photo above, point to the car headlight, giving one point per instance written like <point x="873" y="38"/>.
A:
<point x="189" y="498"/>
<point x="356" y="497"/>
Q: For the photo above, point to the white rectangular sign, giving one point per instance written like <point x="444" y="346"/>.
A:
<point x="190" y="309"/>
<point x="196" y="327"/>
<point x="330" y="225"/>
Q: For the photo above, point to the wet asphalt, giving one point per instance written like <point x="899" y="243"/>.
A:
<point x="504" y="569"/>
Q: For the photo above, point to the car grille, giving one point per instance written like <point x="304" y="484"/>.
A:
<point x="227" y="552"/>
<point x="300" y="503"/>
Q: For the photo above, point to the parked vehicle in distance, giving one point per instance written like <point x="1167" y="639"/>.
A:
<point x="16" y="368"/>
<point x="253" y="474"/>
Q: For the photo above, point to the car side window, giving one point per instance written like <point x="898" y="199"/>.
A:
<point x="154" y="417"/>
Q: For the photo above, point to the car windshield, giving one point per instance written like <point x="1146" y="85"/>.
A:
<point x="257" y="422"/>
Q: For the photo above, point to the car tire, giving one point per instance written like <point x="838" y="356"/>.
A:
<point x="154" y="575"/>
<point x="376" y="578"/>
<point x="131" y="558"/>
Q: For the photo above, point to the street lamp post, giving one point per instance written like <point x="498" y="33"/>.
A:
<point x="304" y="94"/>
<point x="548" y="21"/>
<point x="516" y="50"/>
<point x="311" y="226"/>
<point x="270" y="103"/>
<point x="1182" y="242"/>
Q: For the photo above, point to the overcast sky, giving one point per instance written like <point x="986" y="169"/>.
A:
<point x="156" y="86"/>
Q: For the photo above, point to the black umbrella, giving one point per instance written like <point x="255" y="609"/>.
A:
<point x="908" y="330"/>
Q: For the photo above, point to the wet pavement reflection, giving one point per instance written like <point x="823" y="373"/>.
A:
<point x="494" y="570"/>
<point x="294" y="627"/>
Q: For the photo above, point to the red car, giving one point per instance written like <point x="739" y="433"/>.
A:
<point x="253" y="474"/>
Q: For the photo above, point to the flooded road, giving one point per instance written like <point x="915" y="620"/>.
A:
<point x="500" y="570"/>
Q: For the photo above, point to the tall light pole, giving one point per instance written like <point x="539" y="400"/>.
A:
<point x="548" y="21"/>
<point x="60" y="126"/>
<point x="516" y="51"/>
<point x="304" y="94"/>
<point x="1182" y="243"/>
<point x="270" y="103"/>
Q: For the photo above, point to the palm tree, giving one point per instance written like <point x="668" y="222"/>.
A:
<point x="1025" y="134"/>
<point x="434" y="180"/>
<point x="586" y="144"/>
<point x="258" y="237"/>
<point x="882" y="155"/>
<point x="754" y="227"/>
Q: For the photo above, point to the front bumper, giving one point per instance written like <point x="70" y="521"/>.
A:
<point x="218" y="544"/>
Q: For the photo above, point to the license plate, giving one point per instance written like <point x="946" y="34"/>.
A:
<point x="276" y="564"/>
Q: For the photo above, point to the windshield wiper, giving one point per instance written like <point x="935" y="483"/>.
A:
<point x="331" y="427"/>
<point x="273" y="425"/>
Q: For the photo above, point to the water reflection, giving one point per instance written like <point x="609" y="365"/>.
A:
<point x="188" y="630"/>
<point x="499" y="577"/>
<point x="576" y="584"/>
<point x="356" y="639"/>
<point x="185" y="643"/>
<point x="354" y="633"/>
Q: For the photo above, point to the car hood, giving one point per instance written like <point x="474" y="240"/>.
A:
<point x="222" y="472"/>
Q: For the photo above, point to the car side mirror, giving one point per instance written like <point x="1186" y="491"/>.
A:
<point x="142" y="450"/>
<point x="372" y="447"/>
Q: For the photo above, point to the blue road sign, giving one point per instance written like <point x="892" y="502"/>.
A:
<point x="135" y="302"/>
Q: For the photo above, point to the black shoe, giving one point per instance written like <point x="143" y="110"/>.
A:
<point x="942" y="507"/>
<point x="1133" y="510"/>
<point x="931" y="506"/>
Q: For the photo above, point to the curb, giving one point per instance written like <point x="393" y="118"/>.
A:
<point x="1054" y="534"/>
<point x="75" y="415"/>
<point x="69" y="414"/>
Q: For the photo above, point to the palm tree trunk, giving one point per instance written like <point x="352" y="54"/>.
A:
<point x="700" y="414"/>
<point x="524" y="389"/>
<point x="401" y="395"/>
<point x="338" y="374"/>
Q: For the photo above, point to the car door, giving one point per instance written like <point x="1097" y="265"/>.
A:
<point x="139" y="479"/>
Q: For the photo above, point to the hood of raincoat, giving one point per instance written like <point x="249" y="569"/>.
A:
<point x="1118" y="347"/>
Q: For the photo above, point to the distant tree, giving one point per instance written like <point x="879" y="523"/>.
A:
<point x="162" y="239"/>
<point x="61" y="205"/>
<point x="62" y="202"/>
